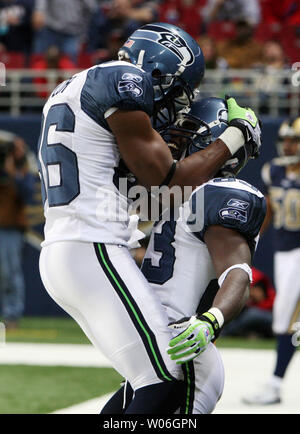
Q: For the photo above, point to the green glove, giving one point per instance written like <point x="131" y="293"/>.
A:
<point x="246" y="120"/>
<point x="237" y="112"/>
<point x="197" y="334"/>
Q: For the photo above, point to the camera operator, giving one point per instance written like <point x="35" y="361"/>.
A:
<point x="16" y="190"/>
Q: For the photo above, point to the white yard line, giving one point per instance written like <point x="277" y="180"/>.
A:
<point x="51" y="355"/>
<point x="92" y="406"/>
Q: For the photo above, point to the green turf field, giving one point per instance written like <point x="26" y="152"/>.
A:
<point x="43" y="389"/>
<point x="47" y="330"/>
<point x="66" y="331"/>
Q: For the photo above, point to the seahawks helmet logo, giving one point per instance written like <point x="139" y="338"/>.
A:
<point x="178" y="46"/>
<point x="167" y="39"/>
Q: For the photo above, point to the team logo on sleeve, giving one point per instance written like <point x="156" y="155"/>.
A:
<point x="129" y="83"/>
<point x="238" y="203"/>
<point x="236" y="209"/>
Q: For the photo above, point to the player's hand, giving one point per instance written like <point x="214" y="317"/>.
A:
<point x="246" y="120"/>
<point x="196" y="335"/>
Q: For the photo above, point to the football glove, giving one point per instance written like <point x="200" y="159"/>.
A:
<point x="198" y="332"/>
<point x="247" y="122"/>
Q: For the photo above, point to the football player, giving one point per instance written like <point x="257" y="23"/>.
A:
<point x="90" y="122"/>
<point x="281" y="177"/>
<point x="200" y="264"/>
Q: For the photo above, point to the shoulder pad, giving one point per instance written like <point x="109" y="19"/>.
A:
<point x="233" y="204"/>
<point x="116" y="84"/>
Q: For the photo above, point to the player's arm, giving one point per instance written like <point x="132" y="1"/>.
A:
<point x="149" y="158"/>
<point x="200" y="329"/>
<point x="234" y="288"/>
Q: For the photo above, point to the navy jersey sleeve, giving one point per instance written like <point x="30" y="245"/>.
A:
<point x="232" y="208"/>
<point x="116" y="85"/>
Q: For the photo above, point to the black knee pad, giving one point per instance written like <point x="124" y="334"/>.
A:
<point x="159" y="398"/>
<point x="120" y="400"/>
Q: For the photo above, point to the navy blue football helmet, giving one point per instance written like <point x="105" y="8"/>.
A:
<point x="175" y="62"/>
<point x="199" y="126"/>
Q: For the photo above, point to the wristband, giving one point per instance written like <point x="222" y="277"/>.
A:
<point x="233" y="139"/>
<point x="244" y="267"/>
<point x="212" y="320"/>
<point x="170" y="174"/>
<point x="218" y="315"/>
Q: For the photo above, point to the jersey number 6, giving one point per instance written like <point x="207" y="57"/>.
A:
<point x="57" y="162"/>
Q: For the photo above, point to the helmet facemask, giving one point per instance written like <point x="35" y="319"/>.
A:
<point x="186" y="132"/>
<point x="191" y="134"/>
<point x="171" y="94"/>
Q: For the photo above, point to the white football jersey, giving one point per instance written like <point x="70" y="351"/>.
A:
<point x="177" y="262"/>
<point x="79" y="156"/>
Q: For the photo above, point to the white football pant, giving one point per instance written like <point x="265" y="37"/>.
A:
<point x="102" y="288"/>
<point x="286" y="310"/>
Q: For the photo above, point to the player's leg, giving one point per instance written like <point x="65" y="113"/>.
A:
<point x="202" y="388"/>
<point x="204" y="382"/>
<point x="285" y="312"/>
<point x="104" y="291"/>
<point x="159" y="398"/>
<point x="120" y="400"/>
<point x="13" y="285"/>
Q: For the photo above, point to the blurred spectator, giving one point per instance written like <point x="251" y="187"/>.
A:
<point x="115" y="40"/>
<point x="16" y="189"/>
<point x="212" y="60"/>
<point x="242" y="51"/>
<point x="256" y="317"/>
<point x="268" y="82"/>
<point x="62" y="23"/>
<point x="191" y="19"/>
<point x="273" y="56"/>
<point x="15" y="25"/>
<point x="124" y="15"/>
<point x="187" y="14"/>
<point x="170" y="11"/>
<point x="135" y="12"/>
<point x="53" y="59"/>
<point x="232" y="10"/>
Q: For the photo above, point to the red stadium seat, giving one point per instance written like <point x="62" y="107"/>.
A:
<point x="170" y="11"/>
<point x="85" y="60"/>
<point x="290" y="40"/>
<point x="220" y="30"/>
<point x="34" y="58"/>
<point x="12" y="60"/>
<point x="191" y="18"/>
<point x="266" y="31"/>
